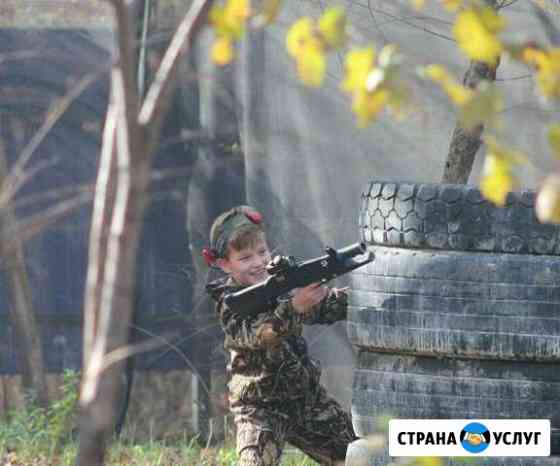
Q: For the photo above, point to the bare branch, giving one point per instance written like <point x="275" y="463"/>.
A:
<point x="102" y="208"/>
<point x="551" y="30"/>
<point x="124" y="352"/>
<point x="159" y="93"/>
<point x="30" y="353"/>
<point x="26" y="229"/>
<point x="103" y="314"/>
<point x="126" y="49"/>
<point x="15" y="179"/>
<point x="52" y="195"/>
<point x="178" y="351"/>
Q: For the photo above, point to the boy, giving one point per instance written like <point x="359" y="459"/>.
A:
<point x="274" y="391"/>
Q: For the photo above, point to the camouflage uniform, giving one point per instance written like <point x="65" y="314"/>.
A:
<point x="274" y="391"/>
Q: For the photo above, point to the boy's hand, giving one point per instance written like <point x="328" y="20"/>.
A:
<point x="340" y="292"/>
<point x="305" y="298"/>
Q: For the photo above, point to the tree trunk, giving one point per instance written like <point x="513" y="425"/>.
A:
<point x="137" y="132"/>
<point x="465" y="143"/>
<point x="30" y="353"/>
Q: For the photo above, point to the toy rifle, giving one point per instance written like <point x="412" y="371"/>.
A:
<point x="286" y="273"/>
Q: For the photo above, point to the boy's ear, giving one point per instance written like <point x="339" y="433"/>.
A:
<point x="223" y="264"/>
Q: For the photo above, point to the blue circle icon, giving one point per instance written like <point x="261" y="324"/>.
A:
<point x="475" y="437"/>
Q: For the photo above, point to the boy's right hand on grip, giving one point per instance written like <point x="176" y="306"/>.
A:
<point x="305" y="298"/>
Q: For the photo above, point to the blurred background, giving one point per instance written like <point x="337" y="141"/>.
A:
<point x="249" y="132"/>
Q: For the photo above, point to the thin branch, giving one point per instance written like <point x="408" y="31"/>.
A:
<point x="14" y="180"/>
<point x="181" y="355"/>
<point x="408" y="23"/>
<point x="52" y="195"/>
<point x="31" y="226"/>
<point x="102" y="207"/>
<point x="515" y="78"/>
<point x="159" y="92"/>
<point x="124" y="352"/>
<point x="25" y="176"/>
<point x="127" y="63"/>
<point x="118" y="221"/>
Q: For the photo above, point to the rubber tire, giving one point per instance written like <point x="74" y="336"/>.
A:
<point x="453" y="217"/>
<point x="413" y="387"/>
<point x="456" y="304"/>
<point x="360" y="454"/>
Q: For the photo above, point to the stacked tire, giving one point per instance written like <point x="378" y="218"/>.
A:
<point x="459" y="315"/>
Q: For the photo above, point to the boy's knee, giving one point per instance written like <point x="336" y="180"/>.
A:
<point x="250" y="457"/>
<point x="257" y="447"/>
<point x="266" y="453"/>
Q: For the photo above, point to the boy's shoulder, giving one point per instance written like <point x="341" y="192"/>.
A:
<point x="219" y="287"/>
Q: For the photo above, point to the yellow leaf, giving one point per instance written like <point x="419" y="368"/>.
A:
<point x="358" y="65"/>
<point x="547" y="64"/>
<point x="547" y="203"/>
<point x="497" y="180"/>
<point x="312" y="63"/>
<point x="367" y="105"/>
<point x="238" y="10"/>
<point x="222" y="51"/>
<point x="418" y="4"/>
<point x="399" y="101"/>
<point x="485" y="106"/>
<point x="554" y="139"/>
<point x="298" y="35"/>
<point x="497" y="172"/>
<point x="229" y="19"/>
<point x="475" y="30"/>
<point x="332" y="26"/>
<point x="451" y="5"/>
<point x="217" y="18"/>
<point x="491" y="20"/>
<point x="458" y="93"/>
<point x="436" y="72"/>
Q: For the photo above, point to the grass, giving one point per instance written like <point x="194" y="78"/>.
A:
<point x="45" y="437"/>
<point x="146" y="454"/>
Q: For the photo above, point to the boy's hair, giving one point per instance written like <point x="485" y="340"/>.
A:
<point x="238" y="228"/>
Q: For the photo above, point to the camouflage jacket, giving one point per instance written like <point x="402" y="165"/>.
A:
<point x="269" y="360"/>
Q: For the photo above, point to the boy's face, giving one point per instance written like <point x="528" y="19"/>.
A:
<point x="247" y="266"/>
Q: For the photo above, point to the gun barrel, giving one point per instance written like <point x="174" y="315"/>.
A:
<point x="254" y="299"/>
<point x="353" y="250"/>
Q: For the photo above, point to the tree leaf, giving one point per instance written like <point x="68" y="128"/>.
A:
<point x="547" y="64"/>
<point x="458" y="93"/>
<point x="222" y="51"/>
<point x="475" y="30"/>
<point x="484" y="107"/>
<point x="554" y="139"/>
<point x="332" y="26"/>
<point x="451" y="5"/>
<point x="358" y="65"/>
<point x="368" y="105"/>
<point x="299" y="33"/>
<point x="497" y="172"/>
<point x="312" y="63"/>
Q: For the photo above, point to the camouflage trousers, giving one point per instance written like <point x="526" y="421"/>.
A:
<point x="318" y="426"/>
